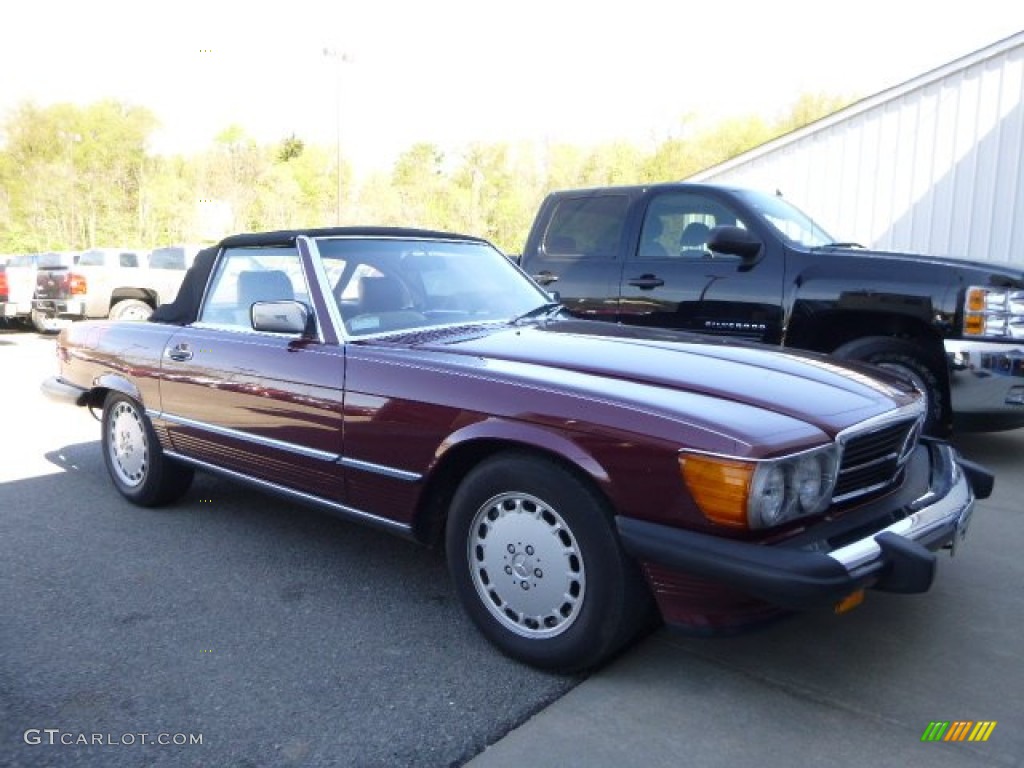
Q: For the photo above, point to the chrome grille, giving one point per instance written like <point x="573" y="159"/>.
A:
<point x="873" y="458"/>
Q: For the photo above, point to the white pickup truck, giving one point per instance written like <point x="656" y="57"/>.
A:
<point x="119" y="283"/>
<point x="17" y="284"/>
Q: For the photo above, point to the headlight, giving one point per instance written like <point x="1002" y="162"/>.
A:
<point x="769" y="500"/>
<point x="760" y="494"/>
<point x="995" y="313"/>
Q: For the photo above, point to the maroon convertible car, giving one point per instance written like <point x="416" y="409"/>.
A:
<point x="578" y="473"/>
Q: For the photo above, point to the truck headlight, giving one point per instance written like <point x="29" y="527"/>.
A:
<point x="995" y="313"/>
<point x="752" y="494"/>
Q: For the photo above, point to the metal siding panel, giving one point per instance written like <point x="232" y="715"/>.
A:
<point x="868" y="190"/>
<point x="937" y="168"/>
<point x="891" y="156"/>
<point x="1008" y="189"/>
<point x="852" y="169"/>
<point x="935" y="191"/>
<point x="981" y="194"/>
<point x="954" y="238"/>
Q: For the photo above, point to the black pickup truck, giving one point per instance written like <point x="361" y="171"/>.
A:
<point x="739" y="263"/>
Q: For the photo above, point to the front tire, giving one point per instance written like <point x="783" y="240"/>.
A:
<point x="537" y="566"/>
<point x="134" y="458"/>
<point x="914" y="362"/>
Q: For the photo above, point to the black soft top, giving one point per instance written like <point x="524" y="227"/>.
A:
<point x="287" y="236"/>
<point x="185" y="307"/>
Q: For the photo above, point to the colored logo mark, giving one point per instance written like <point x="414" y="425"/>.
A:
<point x="958" y="730"/>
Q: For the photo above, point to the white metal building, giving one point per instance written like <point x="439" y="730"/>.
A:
<point x="935" y="165"/>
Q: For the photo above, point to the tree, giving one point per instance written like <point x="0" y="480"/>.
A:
<point x="809" y="108"/>
<point x="72" y="174"/>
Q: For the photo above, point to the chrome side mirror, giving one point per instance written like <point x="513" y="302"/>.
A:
<point x="280" y="316"/>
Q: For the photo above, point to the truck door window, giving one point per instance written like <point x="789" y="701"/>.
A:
<point x="677" y="226"/>
<point x="92" y="259"/>
<point x="586" y="227"/>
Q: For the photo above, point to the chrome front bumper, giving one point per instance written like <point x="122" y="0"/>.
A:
<point x="809" y="572"/>
<point x="939" y="518"/>
<point x="986" y="381"/>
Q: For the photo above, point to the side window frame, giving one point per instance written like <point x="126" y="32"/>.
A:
<point x="669" y="214"/>
<point x="224" y="258"/>
<point x="574" y="230"/>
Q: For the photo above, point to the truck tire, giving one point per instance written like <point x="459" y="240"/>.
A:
<point x="130" y="309"/>
<point x="915" y="363"/>
<point x="537" y="565"/>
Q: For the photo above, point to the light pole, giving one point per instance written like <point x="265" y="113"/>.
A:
<point x="340" y="57"/>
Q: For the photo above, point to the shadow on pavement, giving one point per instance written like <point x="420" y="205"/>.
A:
<point x="282" y="635"/>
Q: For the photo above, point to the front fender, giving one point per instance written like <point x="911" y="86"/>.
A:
<point x="521" y="434"/>
<point x="471" y="444"/>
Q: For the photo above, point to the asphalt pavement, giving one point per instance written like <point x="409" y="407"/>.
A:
<point x="284" y="637"/>
<point x="272" y="634"/>
<point x="822" y="690"/>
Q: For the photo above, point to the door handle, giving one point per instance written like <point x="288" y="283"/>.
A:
<point x="545" y="277"/>
<point x="180" y="353"/>
<point x="646" y="282"/>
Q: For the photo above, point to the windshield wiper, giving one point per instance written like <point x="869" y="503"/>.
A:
<point x="545" y="309"/>
<point x="841" y="245"/>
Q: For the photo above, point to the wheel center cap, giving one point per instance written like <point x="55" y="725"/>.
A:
<point x="520" y="566"/>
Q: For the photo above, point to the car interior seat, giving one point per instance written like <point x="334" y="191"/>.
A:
<point x="650" y="241"/>
<point x="694" y="236"/>
<point x="380" y="293"/>
<point x="263" y="285"/>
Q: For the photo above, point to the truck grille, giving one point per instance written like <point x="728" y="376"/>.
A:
<point x="874" y="458"/>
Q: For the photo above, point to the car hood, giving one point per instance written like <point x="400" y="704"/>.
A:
<point x="694" y="378"/>
<point x="984" y="271"/>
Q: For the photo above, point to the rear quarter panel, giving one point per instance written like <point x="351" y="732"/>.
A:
<point x="124" y="357"/>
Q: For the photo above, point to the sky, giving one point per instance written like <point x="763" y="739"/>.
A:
<point x="452" y="72"/>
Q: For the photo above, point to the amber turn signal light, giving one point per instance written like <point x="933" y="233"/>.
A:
<point x="721" y="487"/>
<point x="976" y="300"/>
<point x="850" y="602"/>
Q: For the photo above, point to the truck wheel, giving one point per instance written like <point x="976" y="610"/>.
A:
<point x="134" y="458"/>
<point x="537" y="566"/>
<point x="130" y="309"/>
<point x="913" y="362"/>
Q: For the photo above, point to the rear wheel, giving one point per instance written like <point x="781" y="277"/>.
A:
<point x="134" y="458"/>
<point x="916" y="364"/>
<point x="537" y="566"/>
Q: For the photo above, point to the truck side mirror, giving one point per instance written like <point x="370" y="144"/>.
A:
<point x="734" y="241"/>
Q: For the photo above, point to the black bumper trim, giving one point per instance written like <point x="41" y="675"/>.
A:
<point x="783" y="577"/>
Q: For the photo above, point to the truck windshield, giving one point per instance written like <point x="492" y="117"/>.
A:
<point x="792" y="223"/>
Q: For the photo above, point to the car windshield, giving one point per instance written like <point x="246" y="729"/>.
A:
<point x="398" y="284"/>
<point x="792" y="223"/>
